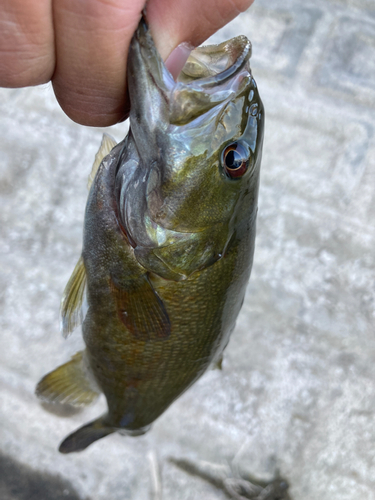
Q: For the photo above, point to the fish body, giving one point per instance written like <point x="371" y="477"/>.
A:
<point x="168" y="241"/>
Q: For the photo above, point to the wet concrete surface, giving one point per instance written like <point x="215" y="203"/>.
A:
<point x="296" y="396"/>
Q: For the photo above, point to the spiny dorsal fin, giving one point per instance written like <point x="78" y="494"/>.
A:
<point x="69" y="384"/>
<point x="108" y="143"/>
<point x="72" y="300"/>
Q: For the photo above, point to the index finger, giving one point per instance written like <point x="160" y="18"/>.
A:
<point x="27" y="52"/>
<point x="92" y="39"/>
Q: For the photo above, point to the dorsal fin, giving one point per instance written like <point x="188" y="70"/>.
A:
<point x="70" y="384"/>
<point x="108" y="143"/>
<point x="72" y="300"/>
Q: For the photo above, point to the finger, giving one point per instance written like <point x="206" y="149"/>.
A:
<point x="175" y="21"/>
<point x="26" y="42"/>
<point x="92" y="41"/>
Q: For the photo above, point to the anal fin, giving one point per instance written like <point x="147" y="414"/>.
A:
<point x="69" y="384"/>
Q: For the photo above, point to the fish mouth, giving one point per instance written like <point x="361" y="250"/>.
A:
<point x="213" y="65"/>
<point x="210" y="75"/>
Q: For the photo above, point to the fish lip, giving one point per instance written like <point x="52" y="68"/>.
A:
<point x="142" y="38"/>
<point x="228" y="73"/>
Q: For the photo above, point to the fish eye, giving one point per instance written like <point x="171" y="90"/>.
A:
<point x="235" y="160"/>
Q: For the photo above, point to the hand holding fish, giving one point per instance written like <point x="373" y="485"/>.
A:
<point x="82" y="46"/>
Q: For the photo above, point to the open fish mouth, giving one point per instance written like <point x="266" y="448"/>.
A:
<point x="214" y="64"/>
<point x="210" y="75"/>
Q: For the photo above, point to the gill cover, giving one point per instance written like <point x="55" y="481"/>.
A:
<point x="177" y="203"/>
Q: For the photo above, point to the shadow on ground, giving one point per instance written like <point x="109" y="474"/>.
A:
<point x="20" y="482"/>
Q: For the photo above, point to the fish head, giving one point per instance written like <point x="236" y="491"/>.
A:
<point x="195" y="150"/>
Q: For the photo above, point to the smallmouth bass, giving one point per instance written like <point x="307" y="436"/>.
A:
<point x="168" y="238"/>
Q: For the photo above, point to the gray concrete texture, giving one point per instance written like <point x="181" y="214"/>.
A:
<point x="297" y="391"/>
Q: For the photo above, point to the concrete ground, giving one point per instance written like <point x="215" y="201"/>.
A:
<point x="296" y="395"/>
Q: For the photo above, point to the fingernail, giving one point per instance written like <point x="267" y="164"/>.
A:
<point x="177" y="58"/>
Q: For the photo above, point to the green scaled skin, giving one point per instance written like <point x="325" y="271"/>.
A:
<point x="168" y="238"/>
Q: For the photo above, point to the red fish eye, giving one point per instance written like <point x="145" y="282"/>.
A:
<point x="235" y="160"/>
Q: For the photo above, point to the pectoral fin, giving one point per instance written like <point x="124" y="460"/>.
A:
<point x="71" y="303"/>
<point x="142" y="311"/>
<point x="69" y="384"/>
<point x="106" y="146"/>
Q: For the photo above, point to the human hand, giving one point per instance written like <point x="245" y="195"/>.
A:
<point x="82" y="46"/>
